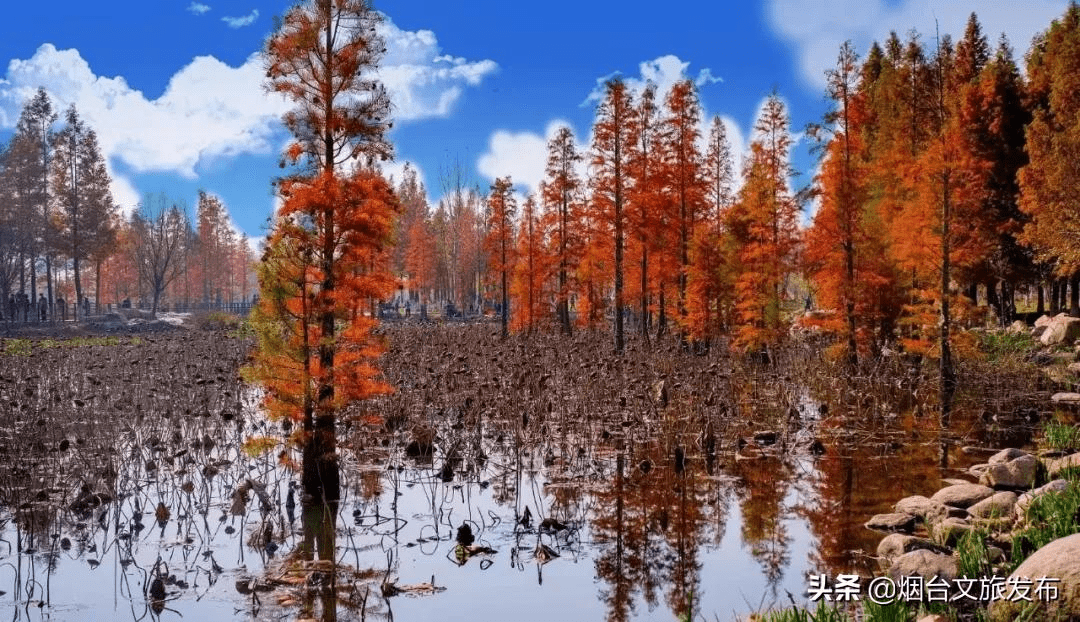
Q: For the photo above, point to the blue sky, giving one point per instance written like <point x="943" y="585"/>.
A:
<point x="174" y="87"/>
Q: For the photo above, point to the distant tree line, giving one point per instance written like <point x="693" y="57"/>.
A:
<point x="948" y="180"/>
<point x="62" y="235"/>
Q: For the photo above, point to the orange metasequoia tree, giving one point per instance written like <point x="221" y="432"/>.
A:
<point x="612" y="138"/>
<point x="709" y="295"/>
<point x="528" y="289"/>
<point x="767" y="211"/>
<point x="845" y="249"/>
<point x="499" y="243"/>
<point x="645" y="196"/>
<point x="1048" y="184"/>
<point x="682" y="172"/>
<point x="326" y="253"/>
<point x="560" y="192"/>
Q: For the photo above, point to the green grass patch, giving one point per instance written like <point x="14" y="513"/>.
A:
<point x="972" y="555"/>
<point x="219" y="320"/>
<point x="999" y="345"/>
<point x="1061" y="436"/>
<point x="825" y="612"/>
<point x="896" y="611"/>
<point x="1050" y="516"/>
<point x="26" y="347"/>
<point x="17" y="347"/>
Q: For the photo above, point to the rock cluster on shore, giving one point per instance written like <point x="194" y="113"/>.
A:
<point x="925" y="531"/>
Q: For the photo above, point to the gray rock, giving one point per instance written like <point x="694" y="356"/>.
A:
<point x="896" y="544"/>
<point x="1016" y="473"/>
<point x="896" y="521"/>
<point x="924" y="563"/>
<point x="1065" y="398"/>
<point x="920" y="506"/>
<point x="978" y="469"/>
<point x="1018" y="327"/>
<point x="1006" y="455"/>
<point x="962" y="495"/>
<point x="1038" y="331"/>
<point x="997" y="505"/>
<point x="1056" y="465"/>
<point x="1024" y="500"/>
<point x="978" y="452"/>
<point x="1061" y="329"/>
<point x="1061" y="560"/>
<point x="948" y="531"/>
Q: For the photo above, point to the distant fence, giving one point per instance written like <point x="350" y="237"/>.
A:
<point x="66" y="313"/>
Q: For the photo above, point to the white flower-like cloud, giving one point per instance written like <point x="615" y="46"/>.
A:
<point x="817" y="29"/>
<point x="198" y="8"/>
<point x="663" y="72"/>
<point x="422" y="81"/>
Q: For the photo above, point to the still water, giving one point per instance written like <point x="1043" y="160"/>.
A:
<point x="614" y="531"/>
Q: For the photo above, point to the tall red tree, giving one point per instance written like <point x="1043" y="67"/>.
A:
<point x="683" y="176"/>
<point x="709" y="290"/>
<point x="769" y="213"/>
<point x="647" y="224"/>
<point x="529" y="293"/>
<point x="499" y="243"/>
<point x="612" y="137"/>
<point x="561" y="191"/>
<point x="1048" y="183"/>
<point x="846" y="246"/>
<point x="327" y="249"/>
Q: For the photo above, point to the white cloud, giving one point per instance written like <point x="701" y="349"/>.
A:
<point x="240" y="22"/>
<point x="124" y="193"/>
<point x="208" y="109"/>
<point x="198" y="8"/>
<point x="212" y="110"/>
<point x="422" y="81"/>
<point x="817" y="29"/>
<point x="521" y="155"/>
<point x="255" y="243"/>
<point x="663" y="71"/>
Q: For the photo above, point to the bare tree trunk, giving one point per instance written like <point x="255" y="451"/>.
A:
<point x="1074" y="295"/>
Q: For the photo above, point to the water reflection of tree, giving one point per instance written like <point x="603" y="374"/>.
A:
<point x="855" y="479"/>
<point x="652" y="523"/>
<point x="763" y="484"/>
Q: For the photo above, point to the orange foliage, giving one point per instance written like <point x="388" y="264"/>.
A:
<point x="1049" y="182"/>
<point x="530" y="294"/>
<point x="768" y="212"/>
<point x="348" y="221"/>
<point x="560" y="192"/>
<point x="612" y="138"/>
<point x="682" y="176"/>
<point x="846" y="247"/>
